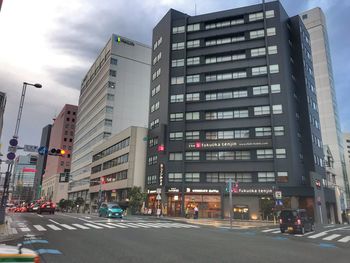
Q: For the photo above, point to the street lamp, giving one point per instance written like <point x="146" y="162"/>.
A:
<point x="14" y="148"/>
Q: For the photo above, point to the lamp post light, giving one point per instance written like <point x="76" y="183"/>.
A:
<point x="13" y="150"/>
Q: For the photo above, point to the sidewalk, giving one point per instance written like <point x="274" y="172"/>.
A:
<point x="5" y="230"/>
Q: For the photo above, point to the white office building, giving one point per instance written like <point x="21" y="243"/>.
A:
<point x="114" y="96"/>
<point x="315" y="23"/>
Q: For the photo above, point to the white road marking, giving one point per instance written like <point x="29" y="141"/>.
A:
<point x="276" y="232"/>
<point x="39" y="215"/>
<point x="93" y="226"/>
<point x="148" y="225"/>
<point x="107" y="226"/>
<point x="53" y="221"/>
<point x="54" y="227"/>
<point x="127" y="225"/>
<point x="270" y="230"/>
<point x="137" y="225"/>
<point x="80" y="226"/>
<point x="68" y="227"/>
<point x="117" y="225"/>
<point x="14" y="231"/>
<point x="331" y="237"/>
<point x="39" y="227"/>
<point x="25" y="229"/>
<point x="344" y="239"/>
<point x="318" y="235"/>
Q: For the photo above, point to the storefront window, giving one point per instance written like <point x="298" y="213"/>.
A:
<point x="209" y="206"/>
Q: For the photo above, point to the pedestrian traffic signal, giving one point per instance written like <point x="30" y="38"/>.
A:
<point x="57" y="152"/>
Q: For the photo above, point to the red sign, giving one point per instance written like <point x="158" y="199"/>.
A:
<point x="161" y="148"/>
<point x="29" y="170"/>
<point x="198" y="145"/>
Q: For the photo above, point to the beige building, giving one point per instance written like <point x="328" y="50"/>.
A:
<point x="315" y="23"/>
<point x="118" y="164"/>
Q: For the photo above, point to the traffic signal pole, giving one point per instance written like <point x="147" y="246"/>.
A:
<point x="230" y="191"/>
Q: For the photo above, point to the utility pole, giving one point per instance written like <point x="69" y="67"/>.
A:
<point x="230" y="191"/>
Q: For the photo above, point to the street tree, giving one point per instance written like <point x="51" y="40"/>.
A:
<point x="136" y="198"/>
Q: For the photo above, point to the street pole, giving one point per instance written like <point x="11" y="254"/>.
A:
<point x="230" y="191"/>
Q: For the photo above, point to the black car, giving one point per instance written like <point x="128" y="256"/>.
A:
<point x="296" y="221"/>
<point x="48" y="206"/>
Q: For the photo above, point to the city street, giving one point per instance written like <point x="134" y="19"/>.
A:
<point x="87" y="238"/>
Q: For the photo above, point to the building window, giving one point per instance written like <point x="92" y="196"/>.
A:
<point x="192" y="115"/>
<point x="176" y="116"/>
<point x="258" y="52"/>
<point x="178" y="29"/>
<point x="178" y="46"/>
<point x="222" y="135"/>
<point x="111" y="85"/>
<point x="256" y="34"/>
<point x="175" y="177"/>
<point x="262" y="131"/>
<point x="264" y="154"/>
<point x="259" y="71"/>
<point x="62" y="163"/>
<point x="260" y="90"/>
<point x="154" y="124"/>
<point x="266" y="177"/>
<point x="225" y="76"/>
<point x="152" y="160"/>
<point x="67" y="119"/>
<point x="277" y="109"/>
<point x="151" y="179"/>
<point x="282" y="177"/>
<point x="275" y="88"/>
<point x="211" y="60"/>
<point x="112" y="73"/>
<point x="155" y="90"/>
<point x="177" y="80"/>
<point x="242" y="155"/>
<point x="176" y="98"/>
<point x="175" y="156"/>
<point x="192" y="97"/>
<point x="192" y="78"/>
<point x="192" y="135"/>
<point x="155" y="107"/>
<point x="261" y="110"/>
<point x="192" y="156"/>
<point x="193" y="27"/>
<point x="226" y="40"/>
<point x="279" y="130"/>
<point x="255" y="16"/>
<point x="153" y="142"/>
<point x="271" y="31"/>
<point x="177" y="63"/>
<point x="70" y="140"/>
<point x="240" y="114"/>
<point x="193" y="61"/>
<point x="272" y="50"/>
<point x="157" y="58"/>
<point x="274" y="69"/>
<point x="176" y="136"/>
<point x="193" y="43"/>
<point x="270" y="13"/>
<point x="281" y="153"/>
<point x="224" y="24"/>
<point x="114" y="61"/>
<point x="110" y="97"/>
<point x="192" y="177"/>
<point x="226" y="95"/>
<point x="65" y="139"/>
<point x="156" y="74"/>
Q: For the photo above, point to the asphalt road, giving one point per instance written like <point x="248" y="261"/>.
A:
<point x="82" y="238"/>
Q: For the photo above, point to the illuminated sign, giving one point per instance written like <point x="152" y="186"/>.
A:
<point x="230" y="144"/>
<point x="161" y="148"/>
<point x="256" y="191"/>
<point x="151" y="191"/>
<point x="189" y="190"/>
<point x="125" y="41"/>
<point x="173" y="190"/>
<point x="161" y="173"/>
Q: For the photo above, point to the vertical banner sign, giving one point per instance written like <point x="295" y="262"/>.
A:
<point x="161" y="173"/>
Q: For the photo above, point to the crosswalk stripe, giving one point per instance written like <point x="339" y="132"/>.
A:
<point x="68" y="227"/>
<point x="127" y="225"/>
<point x="318" y="235"/>
<point x="344" y="239"/>
<point x="276" y="232"/>
<point x="107" y="226"/>
<point x="54" y="227"/>
<point x="80" y="226"/>
<point x="186" y="226"/>
<point x="269" y="230"/>
<point x="25" y="229"/>
<point x="93" y="226"/>
<point x="331" y="237"/>
<point x="148" y="225"/>
<point x="39" y="227"/>
<point x="138" y="225"/>
<point x="117" y="225"/>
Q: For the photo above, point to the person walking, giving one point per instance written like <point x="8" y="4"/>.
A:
<point x="187" y="211"/>
<point x="196" y="212"/>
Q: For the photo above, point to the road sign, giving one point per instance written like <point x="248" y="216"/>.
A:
<point x="30" y="148"/>
<point x="159" y="190"/>
<point x="42" y="150"/>
<point x="278" y="194"/>
<point x="279" y="203"/>
<point x="11" y="156"/>
<point x="158" y="197"/>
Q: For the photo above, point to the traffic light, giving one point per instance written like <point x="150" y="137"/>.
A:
<point x="56" y="152"/>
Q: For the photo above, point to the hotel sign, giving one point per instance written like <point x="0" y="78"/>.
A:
<point x="161" y="173"/>
<point x="255" y="191"/>
<point x="228" y="144"/>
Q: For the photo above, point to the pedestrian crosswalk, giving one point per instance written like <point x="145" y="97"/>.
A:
<point x="325" y="235"/>
<point x="106" y="225"/>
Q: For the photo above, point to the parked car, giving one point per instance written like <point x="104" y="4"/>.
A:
<point x="33" y="207"/>
<point x="18" y="254"/>
<point x="110" y="210"/>
<point x="296" y="221"/>
<point x="47" y="206"/>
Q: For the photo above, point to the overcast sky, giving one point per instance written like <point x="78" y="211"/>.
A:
<point x="54" y="42"/>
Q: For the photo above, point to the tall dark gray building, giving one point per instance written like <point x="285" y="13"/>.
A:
<point x="233" y="97"/>
<point x="41" y="163"/>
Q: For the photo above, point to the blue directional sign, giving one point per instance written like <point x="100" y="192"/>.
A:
<point x="279" y="202"/>
<point x="42" y="150"/>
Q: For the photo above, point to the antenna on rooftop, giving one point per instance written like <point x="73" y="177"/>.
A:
<point x="195" y="8"/>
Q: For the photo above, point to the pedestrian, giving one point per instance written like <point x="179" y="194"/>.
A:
<point x="187" y="212"/>
<point x="195" y="212"/>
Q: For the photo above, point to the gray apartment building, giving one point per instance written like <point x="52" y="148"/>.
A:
<point x="230" y="99"/>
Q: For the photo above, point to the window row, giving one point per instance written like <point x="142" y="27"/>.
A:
<point x="152" y="159"/>
<point x="155" y="106"/>
<point x="155" y="90"/>
<point x="157" y="58"/>
<point x="112" y="149"/>
<point x="157" y="43"/>
<point x="122" y="175"/>
<point x="156" y="74"/>
<point x="154" y="124"/>
<point x="111" y="163"/>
